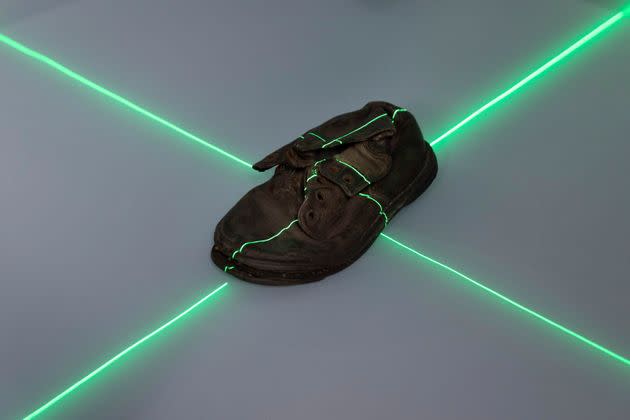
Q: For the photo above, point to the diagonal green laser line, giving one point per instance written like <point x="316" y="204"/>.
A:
<point x="131" y="105"/>
<point x="317" y="136"/>
<point x="510" y="301"/>
<point x="355" y="170"/>
<point x="539" y="71"/>
<point x="354" y="131"/>
<point x="116" y="97"/>
<point x="137" y="108"/>
<point x="121" y="354"/>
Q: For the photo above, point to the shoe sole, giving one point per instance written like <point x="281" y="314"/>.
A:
<point x="275" y="278"/>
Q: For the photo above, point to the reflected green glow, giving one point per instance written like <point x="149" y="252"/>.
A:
<point x="121" y="354"/>
<point x="539" y="71"/>
<point x="511" y="302"/>
<point x="123" y="101"/>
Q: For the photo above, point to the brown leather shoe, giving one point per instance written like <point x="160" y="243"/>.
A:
<point x="334" y="189"/>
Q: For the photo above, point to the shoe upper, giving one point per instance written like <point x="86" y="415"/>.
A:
<point x="333" y="190"/>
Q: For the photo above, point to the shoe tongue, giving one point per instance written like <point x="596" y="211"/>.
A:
<point x="368" y="123"/>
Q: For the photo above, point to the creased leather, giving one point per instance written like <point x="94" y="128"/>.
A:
<point x="350" y="182"/>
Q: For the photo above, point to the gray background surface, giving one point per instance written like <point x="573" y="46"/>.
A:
<point x="106" y="219"/>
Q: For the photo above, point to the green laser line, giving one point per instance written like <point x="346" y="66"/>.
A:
<point x="331" y="142"/>
<point x="338" y="139"/>
<point x="121" y="354"/>
<point x="123" y="101"/>
<point x="381" y="211"/>
<point x="397" y="111"/>
<point x="129" y="104"/>
<point x="582" y="41"/>
<point x="355" y="170"/>
<point x="511" y="302"/>
<point x="259" y="241"/>
<point x="362" y="127"/>
<point x="318" y="136"/>
<point x="313" y="173"/>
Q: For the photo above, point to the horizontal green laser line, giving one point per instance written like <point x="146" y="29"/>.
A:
<point x="123" y="101"/>
<point x="511" y="302"/>
<point x="121" y="354"/>
<point x="540" y="70"/>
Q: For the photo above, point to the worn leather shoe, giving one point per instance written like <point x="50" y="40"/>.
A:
<point x="333" y="190"/>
